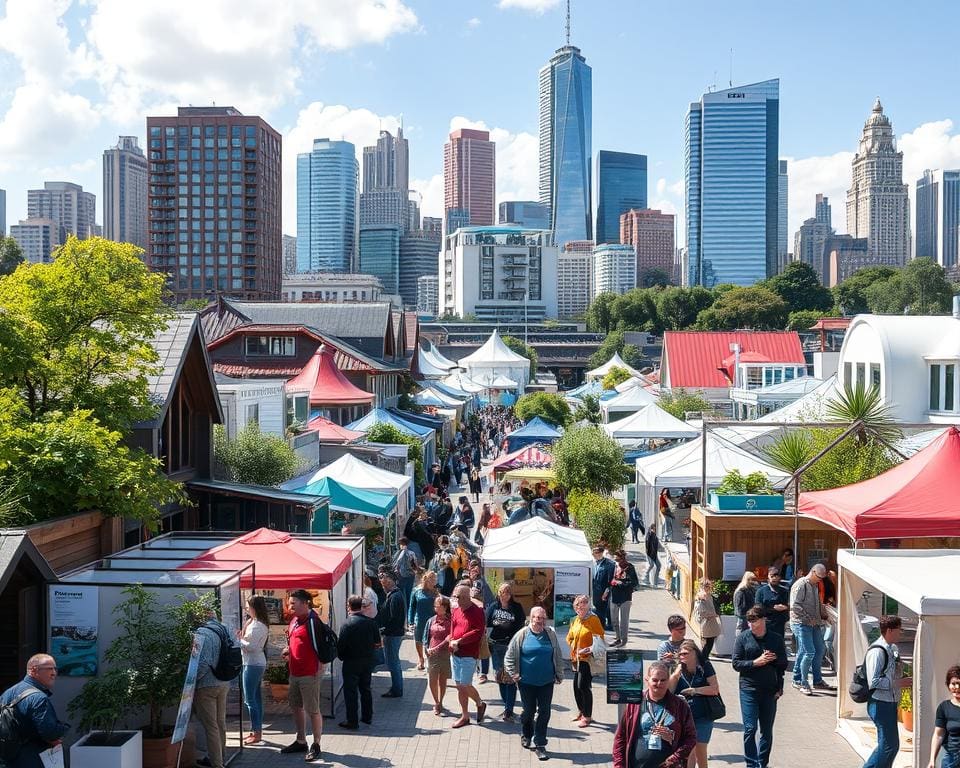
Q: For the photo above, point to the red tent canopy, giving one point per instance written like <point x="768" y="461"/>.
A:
<point x="916" y="498"/>
<point x="326" y="384"/>
<point x="280" y="561"/>
<point x="531" y="456"/>
<point x="331" y="432"/>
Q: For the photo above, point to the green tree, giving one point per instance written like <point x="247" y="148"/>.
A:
<point x="635" y="310"/>
<point x="850" y="461"/>
<point x="802" y="319"/>
<point x="600" y="517"/>
<point x="192" y="305"/>
<point x="745" y="307"/>
<point x="652" y="278"/>
<point x="75" y="334"/>
<point x="588" y="410"/>
<point x="255" y="458"/>
<point x="600" y="318"/>
<point x="546" y="405"/>
<point x="11" y="255"/>
<point x="850" y="296"/>
<point x="615" y="375"/>
<point x="677" y="308"/>
<point x="527" y="351"/>
<point x="800" y="288"/>
<point x="612" y="344"/>
<point x="920" y="288"/>
<point x="631" y="355"/>
<point x="388" y="433"/>
<point x="587" y="459"/>
<point x="678" y="402"/>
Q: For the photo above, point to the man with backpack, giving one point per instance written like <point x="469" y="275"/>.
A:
<point x="213" y="679"/>
<point x="883" y="675"/>
<point x="307" y="653"/>
<point x="28" y="722"/>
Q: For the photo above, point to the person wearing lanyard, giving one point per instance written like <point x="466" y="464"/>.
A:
<point x="657" y="733"/>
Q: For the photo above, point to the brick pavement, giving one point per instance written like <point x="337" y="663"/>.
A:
<point x="406" y="734"/>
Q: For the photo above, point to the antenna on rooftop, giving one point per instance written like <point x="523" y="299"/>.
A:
<point x="568" y="22"/>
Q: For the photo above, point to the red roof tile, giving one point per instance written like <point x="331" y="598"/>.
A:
<point x="691" y="358"/>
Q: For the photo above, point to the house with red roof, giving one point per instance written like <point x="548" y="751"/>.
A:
<point x="714" y="362"/>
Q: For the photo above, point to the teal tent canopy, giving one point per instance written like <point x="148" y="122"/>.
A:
<point x="346" y="498"/>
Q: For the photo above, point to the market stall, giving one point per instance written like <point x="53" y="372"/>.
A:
<point x="649" y="423"/>
<point x="348" y="500"/>
<point x="614" y="362"/>
<point x="923" y="584"/>
<point x="534" y="432"/>
<point x="425" y="435"/>
<point x="329" y="393"/>
<point x="495" y="358"/>
<point x="630" y="401"/>
<point x="529" y="456"/>
<point x="548" y="564"/>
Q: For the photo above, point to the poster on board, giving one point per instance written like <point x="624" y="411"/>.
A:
<point x="189" y="686"/>
<point x="624" y="677"/>
<point x="734" y="565"/>
<point x="531" y="586"/>
<point x="74" y="629"/>
<point x="569" y="582"/>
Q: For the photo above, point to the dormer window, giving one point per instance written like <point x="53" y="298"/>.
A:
<point x="271" y="346"/>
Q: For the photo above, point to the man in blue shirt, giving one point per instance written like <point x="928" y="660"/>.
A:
<point x="774" y="598"/>
<point x="40" y="726"/>
<point x="603" y="569"/>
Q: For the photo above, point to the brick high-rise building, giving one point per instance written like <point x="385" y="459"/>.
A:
<point x="469" y="173"/>
<point x="650" y="232"/>
<point x="215" y="211"/>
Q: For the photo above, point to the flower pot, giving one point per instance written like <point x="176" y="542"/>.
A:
<point x="126" y="754"/>
<point x="906" y="717"/>
<point x="160" y="753"/>
<point x="723" y="645"/>
<point x="278" y="691"/>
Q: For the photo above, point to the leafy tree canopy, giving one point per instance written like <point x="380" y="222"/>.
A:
<point x="600" y="317"/>
<point x="920" y="288"/>
<point x="615" y="375"/>
<point x="527" y="351"/>
<point x="745" y="307"/>
<point x="587" y="459"/>
<point x="388" y="433"/>
<point x="679" y="402"/>
<point x="11" y="255"/>
<point x="652" y="278"/>
<point x="601" y="518"/>
<point x="255" y="458"/>
<point x="546" y="405"/>
<point x="800" y="288"/>
<point x="588" y="411"/>
<point x="850" y="296"/>
<point x="635" y="310"/>
<point x="614" y="343"/>
<point x="677" y="308"/>
<point x="802" y="319"/>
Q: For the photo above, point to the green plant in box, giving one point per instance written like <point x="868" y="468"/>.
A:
<point x="906" y="700"/>
<point x="277" y="674"/>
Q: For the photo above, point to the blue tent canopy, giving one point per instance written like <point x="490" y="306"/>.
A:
<point x="533" y="432"/>
<point x="383" y="416"/>
<point x="346" y="498"/>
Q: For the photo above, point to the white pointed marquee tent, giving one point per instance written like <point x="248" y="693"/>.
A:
<point x="614" y="362"/>
<point x="651" y="422"/>
<point x="684" y="467"/>
<point x="494" y="359"/>
<point x="630" y="401"/>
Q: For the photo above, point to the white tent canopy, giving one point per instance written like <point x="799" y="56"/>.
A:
<point x="459" y="381"/>
<point x="496" y="381"/>
<point x="430" y="367"/>
<point x="630" y="383"/>
<point x="536" y="543"/>
<point x="632" y="400"/>
<point x="496" y="358"/>
<point x="614" y="362"/>
<point x="437" y="358"/>
<point x="923" y="582"/>
<point x="650" y="422"/>
<point x="438" y="397"/>
<point x="683" y="467"/>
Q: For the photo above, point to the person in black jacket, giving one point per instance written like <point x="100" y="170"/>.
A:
<point x="624" y="581"/>
<point x="761" y="659"/>
<point x="774" y="598"/>
<point x="602" y="574"/>
<point x="505" y="618"/>
<point x="358" y="638"/>
<point x="392" y="615"/>
<point x="651" y="547"/>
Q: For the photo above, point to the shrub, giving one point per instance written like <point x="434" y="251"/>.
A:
<point x="546" y="405"/>
<point x="615" y="375"/>
<point x="255" y="458"/>
<point x="388" y="433"/>
<point x="587" y="459"/>
<point x="601" y="518"/>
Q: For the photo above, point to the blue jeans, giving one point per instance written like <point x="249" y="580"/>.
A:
<point x="884" y="716"/>
<point x="537" y="700"/>
<point x="810" y="650"/>
<point x="759" y="710"/>
<point x="667" y="528"/>
<point x="602" y="609"/>
<point x="507" y="692"/>
<point x="253" y="695"/>
<point x="391" y="650"/>
<point x="949" y="760"/>
<point x="406" y="586"/>
<point x="653" y="567"/>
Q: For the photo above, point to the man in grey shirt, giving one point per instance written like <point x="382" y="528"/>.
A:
<point x="210" y="696"/>
<point x="884" y="675"/>
<point x="806" y="619"/>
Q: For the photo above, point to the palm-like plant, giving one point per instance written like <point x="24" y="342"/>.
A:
<point x="791" y="451"/>
<point x="588" y="410"/>
<point x="866" y="406"/>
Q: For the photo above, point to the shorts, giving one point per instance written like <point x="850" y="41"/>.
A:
<point x="463" y="669"/>
<point x="704" y="730"/>
<point x="304" y="693"/>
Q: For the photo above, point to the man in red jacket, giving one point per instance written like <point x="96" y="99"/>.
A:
<point x="466" y="630"/>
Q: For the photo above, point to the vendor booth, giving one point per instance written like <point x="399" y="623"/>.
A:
<point x="614" y="362"/>
<point x="548" y="564"/>
<point x="630" y="401"/>
<point x="331" y="432"/>
<point x="425" y="435"/>
<point x="920" y="585"/>
<point x="534" y="432"/>
<point x="530" y="456"/>
<point x="494" y="359"/>
<point x="347" y="500"/>
<point x="649" y="423"/>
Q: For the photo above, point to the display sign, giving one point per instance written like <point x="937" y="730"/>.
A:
<point x="74" y="629"/>
<point x="189" y="686"/>
<point x="624" y="677"/>
<point x="734" y="565"/>
<point x="569" y="582"/>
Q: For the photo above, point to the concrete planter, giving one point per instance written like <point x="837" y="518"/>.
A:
<point x="723" y="646"/>
<point x="129" y="754"/>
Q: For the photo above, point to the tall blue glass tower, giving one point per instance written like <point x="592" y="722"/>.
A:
<point x="621" y="185"/>
<point x="327" y="181"/>
<point x="731" y="180"/>
<point x="566" y="113"/>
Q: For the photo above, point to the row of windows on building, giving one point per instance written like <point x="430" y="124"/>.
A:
<point x="236" y="131"/>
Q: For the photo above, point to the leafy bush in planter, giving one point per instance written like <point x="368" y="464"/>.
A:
<point x="723" y="597"/>
<point x="735" y="484"/>
<point x="599" y="517"/>
<point x="277" y="674"/>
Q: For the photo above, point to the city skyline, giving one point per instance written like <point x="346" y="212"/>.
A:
<point x="357" y="90"/>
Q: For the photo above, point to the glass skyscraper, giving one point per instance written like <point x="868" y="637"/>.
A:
<point x="621" y="185"/>
<point x="380" y="255"/>
<point x="938" y="216"/>
<point x="327" y="181"/>
<point x="566" y="99"/>
<point x="731" y="180"/>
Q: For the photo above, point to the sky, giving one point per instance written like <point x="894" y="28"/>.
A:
<point x="75" y="75"/>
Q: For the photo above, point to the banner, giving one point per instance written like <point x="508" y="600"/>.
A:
<point x="189" y="686"/>
<point x="569" y="582"/>
<point x="74" y="629"/>
<point x="624" y="677"/>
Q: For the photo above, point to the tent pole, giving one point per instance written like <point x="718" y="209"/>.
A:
<point x="703" y="463"/>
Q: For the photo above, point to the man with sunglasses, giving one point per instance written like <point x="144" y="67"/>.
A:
<point x="40" y="728"/>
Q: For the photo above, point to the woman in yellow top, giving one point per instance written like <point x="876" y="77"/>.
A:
<point x="584" y="627"/>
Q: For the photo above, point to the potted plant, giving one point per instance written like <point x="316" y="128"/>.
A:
<point x="147" y="664"/>
<point x="752" y="493"/>
<point x="905" y="705"/>
<point x="723" y="600"/>
<point x="98" y="709"/>
<point x="278" y="678"/>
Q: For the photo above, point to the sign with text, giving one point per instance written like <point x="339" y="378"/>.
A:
<point x="624" y="677"/>
<point x="734" y="565"/>
<point x="74" y="629"/>
<point x="189" y="686"/>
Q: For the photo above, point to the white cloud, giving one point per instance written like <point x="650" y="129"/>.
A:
<point x="668" y="198"/>
<point x="473" y="23"/>
<point x="537" y="6"/>
<point x="431" y="193"/>
<point x="42" y="117"/>
<point x="829" y="175"/>
<point x="32" y="31"/>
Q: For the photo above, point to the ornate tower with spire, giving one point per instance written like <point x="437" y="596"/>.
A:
<point x="877" y="204"/>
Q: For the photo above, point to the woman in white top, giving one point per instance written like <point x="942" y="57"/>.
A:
<point x="253" y="644"/>
<point x="370" y="600"/>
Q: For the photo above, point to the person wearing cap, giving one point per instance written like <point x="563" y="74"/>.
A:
<point x="807" y="615"/>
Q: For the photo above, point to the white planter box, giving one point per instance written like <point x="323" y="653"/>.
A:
<point x="723" y="646"/>
<point x="127" y="755"/>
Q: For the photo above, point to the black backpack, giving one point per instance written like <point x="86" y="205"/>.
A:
<point x="324" y="640"/>
<point x="229" y="660"/>
<point x="12" y="737"/>
<point x="860" y="690"/>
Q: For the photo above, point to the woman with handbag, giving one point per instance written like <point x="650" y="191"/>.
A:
<point x="436" y="637"/>
<point x="504" y="618"/>
<point x="696" y="680"/>
<point x="706" y="617"/>
<point x="584" y="638"/>
<point x="420" y="610"/>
